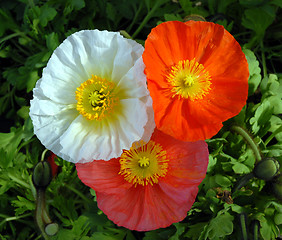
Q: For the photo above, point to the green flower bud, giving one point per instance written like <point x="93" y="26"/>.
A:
<point x="42" y="174"/>
<point x="266" y="169"/>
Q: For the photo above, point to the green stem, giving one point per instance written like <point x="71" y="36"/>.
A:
<point x="125" y="34"/>
<point x="15" y="34"/>
<point x="256" y="230"/>
<point x="278" y="130"/>
<point x="77" y="192"/>
<point x="135" y="16"/>
<point x="264" y="68"/>
<point x="249" y="140"/>
<point x="43" y="155"/>
<point x="243" y="226"/>
<point x="25" y="143"/>
<point x="9" y="37"/>
<point x="40" y="213"/>
<point x="15" y="218"/>
<point x="19" y="181"/>
<point x="243" y="181"/>
<point x="146" y="19"/>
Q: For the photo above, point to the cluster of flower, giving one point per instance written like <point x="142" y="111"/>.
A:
<point x="134" y="120"/>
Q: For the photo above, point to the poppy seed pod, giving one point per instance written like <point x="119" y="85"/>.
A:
<point x="42" y="175"/>
<point x="266" y="169"/>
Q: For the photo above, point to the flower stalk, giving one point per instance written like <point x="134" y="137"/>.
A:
<point x="243" y="226"/>
<point x="42" y="176"/>
<point x="249" y="140"/>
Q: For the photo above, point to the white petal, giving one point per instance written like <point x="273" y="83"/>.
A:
<point x="80" y="56"/>
<point x="150" y="125"/>
<point x="57" y="123"/>
<point x="86" y="141"/>
<point x="133" y="83"/>
<point x="126" y="55"/>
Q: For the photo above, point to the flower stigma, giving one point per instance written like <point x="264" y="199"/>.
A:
<point x="189" y="79"/>
<point x="95" y="98"/>
<point x="144" y="163"/>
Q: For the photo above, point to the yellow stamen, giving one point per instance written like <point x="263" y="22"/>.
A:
<point x="144" y="163"/>
<point x="95" y="98"/>
<point x="189" y="79"/>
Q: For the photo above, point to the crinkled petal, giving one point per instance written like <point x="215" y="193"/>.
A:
<point x="216" y="49"/>
<point x="85" y="140"/>
<point x="58" y="124"/>
<point x="149" y="207"/>
<point x="102" y="176"/>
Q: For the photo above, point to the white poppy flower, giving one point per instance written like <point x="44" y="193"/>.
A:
<point x="92" y="100"/>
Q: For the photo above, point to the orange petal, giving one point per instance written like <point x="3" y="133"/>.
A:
<point x="216" y="49"/>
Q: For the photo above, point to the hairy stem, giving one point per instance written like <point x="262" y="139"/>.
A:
<point x="249" y="140"/>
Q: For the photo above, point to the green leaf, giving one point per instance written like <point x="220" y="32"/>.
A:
<point x="77" y="4"/>
<point x="81" y="226"/>
<point x="65" y="234"/>
<point x="104" y="236"/>
<point x="278" y="218"/>
<point x="27" y="129"/>
<point x="260" y="121"/>
<point x="8" y="20"/>
<point x="22" y="205"/>
<point x="276" y="102"/>
<point x="71" y="5"/>
<point x="46" y="15"/>
<point x="268" y="230"/>
<point x="220" y="226"/>
<point x="254" y="70"/>
<point x="195" y="230"/>
<point x="22" y="78"/>
<point x="271" y="88"/>
<point x="259" y="19"/>
<point x="172" y="17"/>
<point x="66" y="206"/>
<point x="276" y="2"/>
<point x="237" y="208"/>
<point x="180" y="228"/>
<point x="212" y="163"/>
<point x="6" y="160"/>
<point x="275" y="124"/>
<point x="5" y="138"/>
<point x="186" y="5"/>
<point x="240" y="168"/>
<point x="222" y="181"/>
<point x="52" y="41"/>
<point x="23" y="112"/>
<point x="219" y="6"/>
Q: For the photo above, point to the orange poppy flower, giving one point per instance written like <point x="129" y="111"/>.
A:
<point x="197" y="76"/>
<point x="150" y="186"/>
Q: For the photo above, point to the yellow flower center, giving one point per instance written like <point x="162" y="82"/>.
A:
<point x="144" y="163"/>
<point x="189" y="79"/>
<point x="95" y="98"/>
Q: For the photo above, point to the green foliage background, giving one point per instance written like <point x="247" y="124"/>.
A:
<point x="30" y="30"/>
